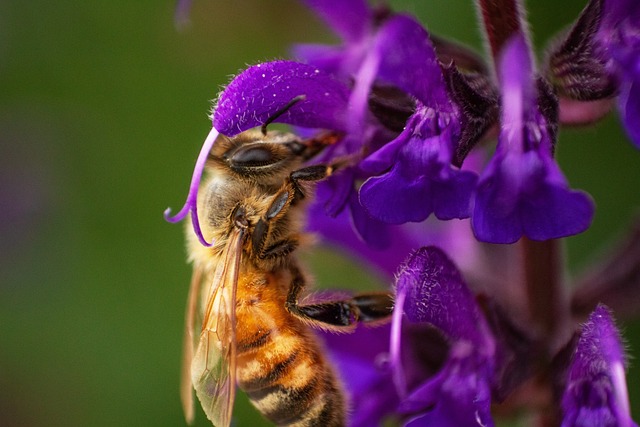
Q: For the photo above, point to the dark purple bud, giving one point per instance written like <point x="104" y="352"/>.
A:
<point x="574" y="67"/>
<point x="478" y="101"/>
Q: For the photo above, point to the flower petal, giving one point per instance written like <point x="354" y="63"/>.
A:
<point x="459" y="395"/>
<point x="327" y="58"/>
<point x="262" y="91"/>
<point x="596" y="391"/>
<point x="522" y="191"/>
<point x="626" y="53"/>
<point x="361" y="357"/>
<point x="436" y="294"/>
<point x="430" y="291"/>
<point x="421" y="181"/>
<point x="517" y="196"/>
<point x="409" y="60"/>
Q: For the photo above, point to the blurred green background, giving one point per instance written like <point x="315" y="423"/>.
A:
<point x="103" y="109"/>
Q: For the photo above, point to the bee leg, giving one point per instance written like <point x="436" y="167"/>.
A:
<point x="261" y="238"/>
<point x="279" y="249"/>
<point x="373" y="306"/>
<point x="309" y="173"/>
<point x="291" y="192"/>
<point x="362" y="308"/>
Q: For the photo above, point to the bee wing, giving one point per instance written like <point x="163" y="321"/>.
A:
<point x="213" y="369"/>
<point x="188" y="343"/>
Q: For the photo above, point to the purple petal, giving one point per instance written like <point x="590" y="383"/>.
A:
<point x="619" y="42"/>
<point x="430" y="290"/>
<point x="381" y="160"/>
<point x="375" y="233"/>
<point x="626" y="53"/>
<point x="350" y="19"/>
<point x="395" y="198"/>
<point x="181" y="14"/>
<point x="191" y="204"/>
<point x="421" y="181"/>
<point x="616" y="12"/>
<point x="518" y="196"/>
<point x="522" y="191"/>
<point x="596" y="391"/>
<point x="516" y="80"/>
<point x="459" y="395"/>
<point x="436" y="294"/>
<point x="361" y="358"/>
<point x="335" y="192"/>
<point x="629" y="106"/>
<point x="409" y="60"/>
<point x="263" y="90"/>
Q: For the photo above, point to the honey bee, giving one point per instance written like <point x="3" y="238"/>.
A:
<point x="245" y="291"/>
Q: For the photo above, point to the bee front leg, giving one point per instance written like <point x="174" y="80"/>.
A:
<point x="311" y="174"/>
<point x="373" y="307"/>
<point x="264" y="244"/>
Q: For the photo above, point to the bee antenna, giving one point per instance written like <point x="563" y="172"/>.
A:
<point x="281" y="111"/>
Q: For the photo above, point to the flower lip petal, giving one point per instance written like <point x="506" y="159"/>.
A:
<point x="420" y="181"/>
<point x="522" y="191"/>
<point x="527" y="195"/>
<point x="261" y="91"/>
<point x="430" y="290"/>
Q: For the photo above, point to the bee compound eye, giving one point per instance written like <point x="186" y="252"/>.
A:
<point x="252" y="156"/>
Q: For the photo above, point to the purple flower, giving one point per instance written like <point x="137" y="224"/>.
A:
<point x="409" y="108"/>
<point x="522" y="192"/>
<point x="431" y="291"/>
<point x="596" y="391"/>
<point x="181" y="14"/>
<point x="415" y="172"/>
<point x="438" y="352"/>
<point x="618" y="40"/>
<point x="256" y="95"/>
<point x="598" y="60"/>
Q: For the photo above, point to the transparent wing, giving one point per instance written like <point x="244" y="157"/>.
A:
<point x="213" y="369"/>
<point x="188" y="343"/>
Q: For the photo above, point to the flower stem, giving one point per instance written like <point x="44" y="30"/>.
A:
<point x="546" y="293"/>
<point x="548" y="301"/>
<point x="501" y="19"/>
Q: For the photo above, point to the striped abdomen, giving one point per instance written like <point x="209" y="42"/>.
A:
<point x="281" y="367"/>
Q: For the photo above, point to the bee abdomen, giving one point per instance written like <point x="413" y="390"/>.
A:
<point x="297" y="390"/>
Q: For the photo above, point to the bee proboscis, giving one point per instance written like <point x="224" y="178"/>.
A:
<point x="244" y="322"/>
